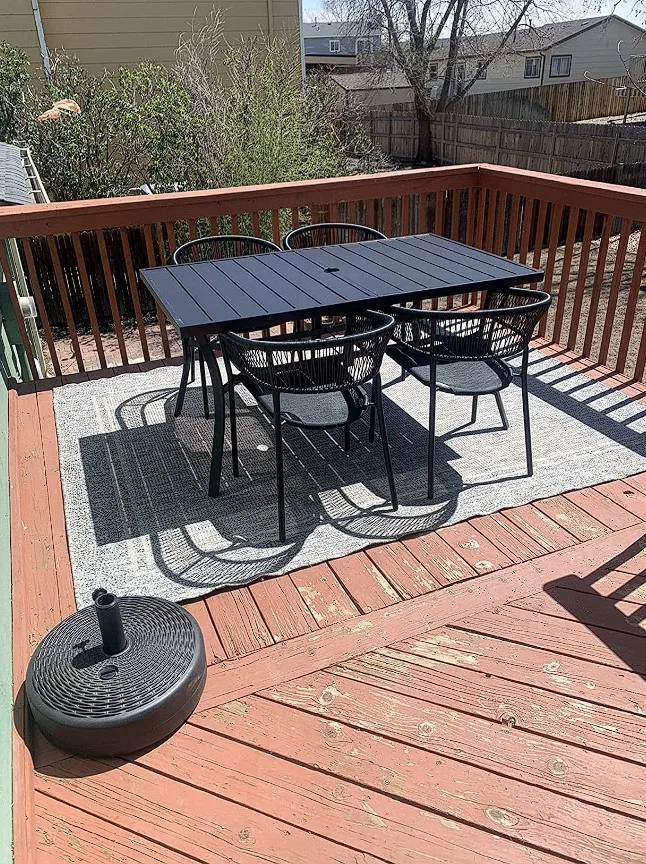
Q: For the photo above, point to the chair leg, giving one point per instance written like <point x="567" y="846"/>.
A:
<point x="526" y="423"/>
<point x="186" y="368"/>
<point x="280" y="477"/>
<point x="371" y="428"/>
<point x="431" y="433"/>
<point x="474" y="409"/>
<point x="384" y="441"/>
<point x="205" y="392"/>
<point x="346" y="437"/>
<point x="233" y="422"/>
<point x="192" y="355"/>
<point x="501" y="410"/>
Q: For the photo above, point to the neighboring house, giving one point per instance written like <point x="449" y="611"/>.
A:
<point x="339" y="43"/>
<point x="551" y="54"/>
<point x="121" y="33"/>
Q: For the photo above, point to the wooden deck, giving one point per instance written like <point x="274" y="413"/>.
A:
<point x="388" y="706"/>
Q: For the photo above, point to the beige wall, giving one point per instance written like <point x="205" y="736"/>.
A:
<point x="103" y="33"/>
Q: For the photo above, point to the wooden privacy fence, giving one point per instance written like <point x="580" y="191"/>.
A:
<point x="559" y="148"/>
<point x="81" y="258"/>
<point x="562" y="103"/>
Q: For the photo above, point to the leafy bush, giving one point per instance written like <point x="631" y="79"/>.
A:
<point x="225" y="115"/>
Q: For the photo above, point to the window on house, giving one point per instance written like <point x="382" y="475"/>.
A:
<point x="481" y="71"/>
<point x="335" y="46"/>
<point x="364" y="46"/>
<point x="532" y="67"/>
<point x="433" y="71"/>
<point x="560" y="66"/>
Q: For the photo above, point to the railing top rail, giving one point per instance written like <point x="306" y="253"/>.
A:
<point x="606" y="198"/>
<point x="66" y="216"/>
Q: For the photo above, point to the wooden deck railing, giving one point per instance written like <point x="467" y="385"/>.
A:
<point x="82" y="258"/>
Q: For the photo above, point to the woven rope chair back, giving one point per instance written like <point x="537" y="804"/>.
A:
<point x="329" y="234"/>
<point x="314" y="365"/>
<point x="502" y="329"/>
<point x="222" y="246"/>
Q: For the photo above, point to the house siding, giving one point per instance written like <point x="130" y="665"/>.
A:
<point x="320" y="46"/>
<point x="104" y="34"/>
<point x="593" y="51"/>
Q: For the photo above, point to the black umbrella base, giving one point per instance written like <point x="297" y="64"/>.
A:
<point x="117" y="676"/>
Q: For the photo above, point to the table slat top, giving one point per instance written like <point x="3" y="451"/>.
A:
<point x="261" y="290"/>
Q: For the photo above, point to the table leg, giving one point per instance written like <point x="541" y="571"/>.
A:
<point x="218" y="427"/>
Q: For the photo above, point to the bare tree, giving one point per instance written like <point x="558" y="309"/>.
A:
<point x="420" y="33"/>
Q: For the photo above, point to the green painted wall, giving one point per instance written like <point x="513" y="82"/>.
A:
<point x="5" y="634"/>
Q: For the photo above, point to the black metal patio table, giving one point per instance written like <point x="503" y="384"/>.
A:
<point x="259" y="291"/>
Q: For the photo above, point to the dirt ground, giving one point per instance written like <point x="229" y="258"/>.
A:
<point x="153" y="335"/>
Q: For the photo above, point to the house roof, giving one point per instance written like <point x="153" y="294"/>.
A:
<point x="14" y="185"/>
<point x="529" y="38"/>
<point x="384" y="80"/>
<point x="336" y="29"/>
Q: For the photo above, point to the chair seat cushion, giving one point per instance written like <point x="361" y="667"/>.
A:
<point x="314" y="410"/>
<point x="463" y="377"/>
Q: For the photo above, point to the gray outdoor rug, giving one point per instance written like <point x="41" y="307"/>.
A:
<point x="134" y="479"/>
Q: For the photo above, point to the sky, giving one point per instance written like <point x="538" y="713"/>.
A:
<point x="625" y="8"/>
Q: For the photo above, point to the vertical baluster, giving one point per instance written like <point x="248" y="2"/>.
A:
<point x="439" y="212"/>
<point x="132" y="282"/>
<point x="192" y="229"/>
<point x="527" y="219"/>
<point x="112" y="297"/>
<point x="67" y="309"/>
<point x="334" y="212"/>
<point x="581" y="280"/>
<point x="573" y="219"/>
<point x="480" y="220"/>
<point x="615" y="285"/>
<point x="255" y="223"/>
<point x="352" y="211"/>
<point x="235" y="226"/>
<point x="471" y="215"/>
<point x="640" y="364"/>
<point x="275" y="227"/>
<point x="455" y="214"/>
<point x="501" y="210"/>
<point x="631" y="301"/>
<point x="170" y="237"/>
<point x="600" y="269"/>
<point x="42" y="310"/>
<point x="555" y="227"/>
<point x="15" y="303"/>
<point x="405" y="215"/>
<point x="152" y="262"/>
<point x="540" y="233"/>
<point x="296" y="220"/>
<point x="89" y="300"/>
<point x="512" y="235"/>
<point x="388" y="217"/>
<point x="491" y="219"/>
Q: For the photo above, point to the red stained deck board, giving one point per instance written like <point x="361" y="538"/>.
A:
<point x="572" y="676"/>
<point x="509" y="538"/>
<point x="475" y="548"/>
<point x="325" y="597"/>
<point x="458" y="688"/>
<point x="215" y="652"/>
<point x="364" y="582"/>
<point x="572" y="638"/>
<point x="575" y="520"/>
<point x="540" y="762"/>
<point x="327" y="806"/>
<point x="544" y="818"/>
<point x="282" y="608"/>
<point x="441" y="561"/>
<point x="540" y="527"/>
<point x="602" y="508"/>
<point x="183" y="818"/>
<point x="238" y="622"/>
<point x="625" y="496"/>
<point x="402" y="569"/>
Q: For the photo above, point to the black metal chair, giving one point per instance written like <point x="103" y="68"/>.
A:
<point x="211" y="249"/>
<point x="329" y="234"/>
<point x="465" y="352"/>
<point x="313" y="384"/>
